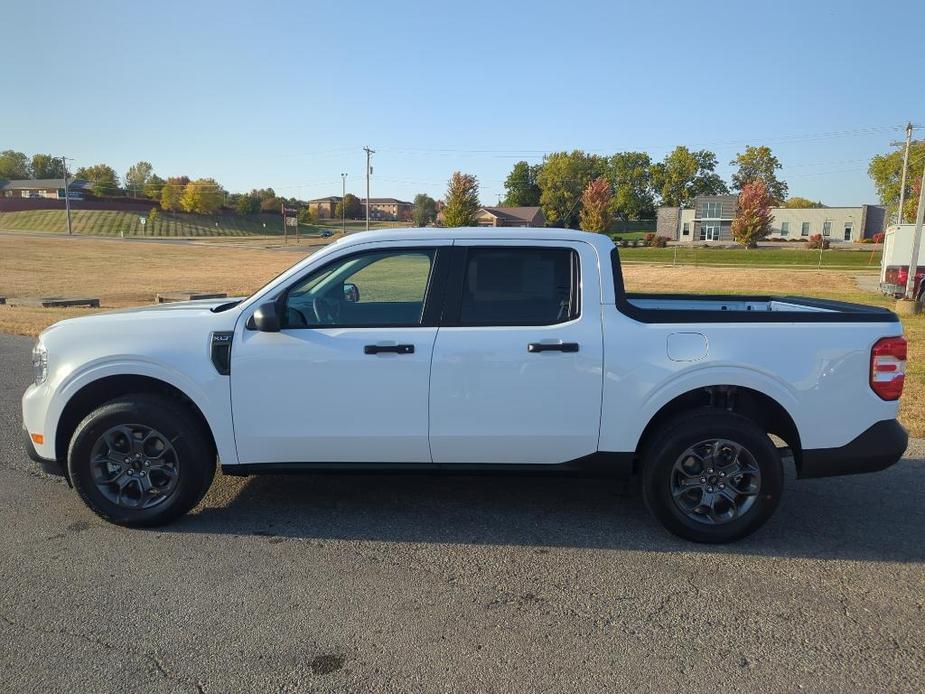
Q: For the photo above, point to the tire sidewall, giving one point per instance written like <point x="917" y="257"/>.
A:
<point x="687" y="431"/>
<point x="170" y="418"/>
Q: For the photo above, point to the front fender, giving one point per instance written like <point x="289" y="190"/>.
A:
<point x="212" y="396"/>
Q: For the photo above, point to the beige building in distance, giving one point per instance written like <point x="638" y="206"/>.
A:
<point x="709" y="220"/>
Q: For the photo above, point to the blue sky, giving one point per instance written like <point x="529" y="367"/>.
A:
<point x="286" y="94"/>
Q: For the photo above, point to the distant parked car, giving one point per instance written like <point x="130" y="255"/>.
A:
<point x="327" y="234"/>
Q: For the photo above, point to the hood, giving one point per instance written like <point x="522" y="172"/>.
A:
<point x="150" y="318"/>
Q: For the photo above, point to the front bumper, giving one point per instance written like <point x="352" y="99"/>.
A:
<point x="52" y="467"/>
<point x="877" y="448"/>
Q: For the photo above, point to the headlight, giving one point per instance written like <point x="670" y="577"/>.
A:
<point x="39" y="363"/>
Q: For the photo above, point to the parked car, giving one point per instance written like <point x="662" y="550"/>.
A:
<point x="513" y="350"/>
<point x="327" y="233"/>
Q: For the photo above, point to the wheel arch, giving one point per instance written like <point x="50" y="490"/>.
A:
<point x="101" y="390"/>
<point x="761" y="408"/>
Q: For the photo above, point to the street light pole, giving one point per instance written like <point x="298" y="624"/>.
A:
<point x="67" y="197"/>
<point x="368" y="152"/>
<point x="916" y="242"/>
<point x="902" y="185"/>
<point x="343" y="204"/>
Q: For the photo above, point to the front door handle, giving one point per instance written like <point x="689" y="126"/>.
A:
<point x="552" y="347"/>
<point x="395" y="349"/>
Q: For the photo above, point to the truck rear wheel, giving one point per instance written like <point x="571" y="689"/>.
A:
<point x="712" y="476"/>
<point x="140" y="460"/>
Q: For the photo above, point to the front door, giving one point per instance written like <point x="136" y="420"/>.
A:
<point x="518" y="360"/>
<point x="346" y="378"/>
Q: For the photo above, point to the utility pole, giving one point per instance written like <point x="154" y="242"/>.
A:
<point x="282" y="212"/>
<point x="343" y="202"/>
<point x="67" y="197"/>
<point x="902" y="186"/>
<point x="916" y="242"/>
<point x="368" y="170"/>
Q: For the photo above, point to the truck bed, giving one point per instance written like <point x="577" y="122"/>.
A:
<point x="670" y="308"/>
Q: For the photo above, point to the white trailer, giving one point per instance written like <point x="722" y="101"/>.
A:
<point x="894" y="266"/>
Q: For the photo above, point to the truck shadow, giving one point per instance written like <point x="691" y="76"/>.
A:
<point x="877" y="517"/>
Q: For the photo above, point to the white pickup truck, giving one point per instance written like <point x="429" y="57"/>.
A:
<point x="470" y="350"/>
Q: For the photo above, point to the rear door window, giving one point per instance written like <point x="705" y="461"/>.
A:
<point x="519" y="286"/>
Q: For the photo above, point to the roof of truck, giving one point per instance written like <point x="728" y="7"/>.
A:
<point x="601" y="241"/>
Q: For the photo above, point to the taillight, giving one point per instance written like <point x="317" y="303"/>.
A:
<point x="888" y="367"/>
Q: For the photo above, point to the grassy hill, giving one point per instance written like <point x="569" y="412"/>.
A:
<point x="117" y="222"/>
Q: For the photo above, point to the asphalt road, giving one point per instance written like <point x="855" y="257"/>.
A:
<point x="453" y="584"/>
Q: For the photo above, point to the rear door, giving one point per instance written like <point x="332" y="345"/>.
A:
<point x="517" y="364"/>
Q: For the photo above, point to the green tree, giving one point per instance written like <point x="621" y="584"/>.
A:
<point x="424" y="211"/>
<point x="154" y="187"/>
<point x="631" y="177"/>
<point x="595" y="205"/>
<point x="246" y="204"/>
<point x="521" y="186"/>
<point x="562" y="180"/>
<point x="14" y="165"/>
<point x="46" y="166"/>
<point x="172" y="191"/>
<point x="885" y="171"/>
<point x="759" y="164"/>
<point x="152" y="217"/>
<point x="350" y="207"/>
<point x="306" y="215"/>
<point x="798" y="203"/>
<point x="684" y="174"/>
<point x="202" y="196"/>
<point x="753" y="215"/>
<point x="102" y="178"/>
<point x="137" y="177"/>
<point x="462" y="200"/>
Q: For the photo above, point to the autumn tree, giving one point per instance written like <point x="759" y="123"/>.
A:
<point x="595" y="205"/>
<point x="14" y="165"/>
<point x="46" y="166"/>
<point x="683" y="175"/>
<point x="886" y="172"/>
<point x="753" y="217"/>
<point x="798" y="203"/>
<point x="462" y="200"/>
<point x="137" y="176"/>
<point x="202" y="196"/>
<point x="172" y="191"/>
<point x="562" y="179"/>
<point x="424" y="211"/>
<point x="630" y="174"/>
<point x="102" y="178"/>
<point x="349" y="208"/>
<point x="759" y="164"/>
<point x="521" y="186"/>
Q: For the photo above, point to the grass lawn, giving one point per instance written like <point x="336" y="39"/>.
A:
<point x="127" y="273"/>
<point x="770" y="257"/>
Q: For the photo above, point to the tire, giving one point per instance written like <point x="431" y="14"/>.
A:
<point x="690" y="486"/>
<point x="141" y="460"/>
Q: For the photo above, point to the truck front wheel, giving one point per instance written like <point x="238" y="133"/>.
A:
<point x="140" y="460"/>
<point x="712" y="476"/>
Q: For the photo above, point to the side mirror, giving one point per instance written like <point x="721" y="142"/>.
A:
<point x="351" y="293"/>
<point x="266" y="318"/>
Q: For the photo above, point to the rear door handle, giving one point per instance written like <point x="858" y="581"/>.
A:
<point x="396" y="349"/>
<point x="552" y="347"/>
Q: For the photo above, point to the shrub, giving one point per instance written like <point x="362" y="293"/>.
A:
<point x="656" y="241"/>
<point x="624" y="243"/>
<point x="816" y="241"/>
<point x="878" y="237"/>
